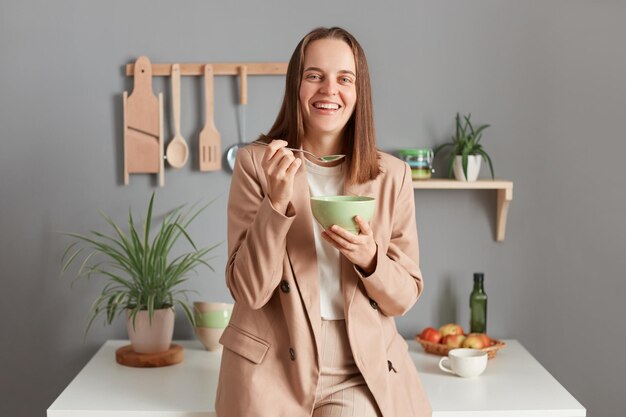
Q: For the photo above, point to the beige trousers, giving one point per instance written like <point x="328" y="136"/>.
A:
<point x="342" y="391"/>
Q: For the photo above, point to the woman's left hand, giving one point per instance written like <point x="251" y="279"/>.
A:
<point x="360" y="249"/>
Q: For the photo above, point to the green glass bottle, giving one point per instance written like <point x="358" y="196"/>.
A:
<point x="478" y="305"/>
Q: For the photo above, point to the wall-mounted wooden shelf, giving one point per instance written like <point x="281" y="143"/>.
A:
<point x="143" y="114"/>
<point x="504" y="188"/>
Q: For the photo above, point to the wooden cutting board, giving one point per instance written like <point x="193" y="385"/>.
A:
<point x="143" y="125"/>
<point x="127" y="356"/>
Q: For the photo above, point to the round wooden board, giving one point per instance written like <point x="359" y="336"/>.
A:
<point x="128" y="357"/>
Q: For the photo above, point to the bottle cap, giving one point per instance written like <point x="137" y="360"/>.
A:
<point x="479" y="276"/>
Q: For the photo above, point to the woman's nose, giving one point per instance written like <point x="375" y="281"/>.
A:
<point x="329" y="87"/>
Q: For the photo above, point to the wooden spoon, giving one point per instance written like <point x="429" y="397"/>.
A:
<point x="177" y="151"/>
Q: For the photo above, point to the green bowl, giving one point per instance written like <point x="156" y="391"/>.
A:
<point x="213" y="319"/>
<point x="341" y="209"/>
<point x="212" y="315"/>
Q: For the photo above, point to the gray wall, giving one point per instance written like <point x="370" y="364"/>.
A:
<point x="548" y="76"/>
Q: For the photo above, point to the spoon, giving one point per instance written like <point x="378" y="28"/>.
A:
<point x="326" y="158"/>
<point x="177" y="150"/>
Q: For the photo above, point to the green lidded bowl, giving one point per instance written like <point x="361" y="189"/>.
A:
<point x="420" y="160"/>
<point x="341" y="209"/>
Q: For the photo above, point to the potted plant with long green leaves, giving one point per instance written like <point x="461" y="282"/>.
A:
<point x="143" y="278"/>
<point x="465" y="150"/>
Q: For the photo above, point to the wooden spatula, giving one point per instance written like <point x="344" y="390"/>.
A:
<point x="210" y="140"/>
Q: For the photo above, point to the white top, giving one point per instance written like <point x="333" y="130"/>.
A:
<point x="327" y="181"/>
<point x="513" y="385"/>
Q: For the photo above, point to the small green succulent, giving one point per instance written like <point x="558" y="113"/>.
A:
<point x="465" y="142"/>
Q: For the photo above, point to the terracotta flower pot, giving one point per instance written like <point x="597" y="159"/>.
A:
<point x="151" y="338"/>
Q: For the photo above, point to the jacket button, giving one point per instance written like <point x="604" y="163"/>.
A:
<point x="284" y="286"/>
<point x="374" y="304"/>
<point x="292" y="354"/>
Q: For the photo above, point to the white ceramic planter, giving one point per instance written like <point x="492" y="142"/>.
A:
<point x="473" y="167"/>
<point x="147" y="338"/>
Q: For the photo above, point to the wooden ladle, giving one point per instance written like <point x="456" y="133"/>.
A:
<point x="177" y="150"/>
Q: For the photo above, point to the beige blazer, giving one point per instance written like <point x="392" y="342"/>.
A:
<point x="270" y="362"/>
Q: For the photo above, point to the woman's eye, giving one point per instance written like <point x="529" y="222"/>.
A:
<point x="313" y="77"/>
<point x="346" y="80"/>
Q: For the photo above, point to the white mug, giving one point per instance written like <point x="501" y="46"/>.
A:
<point x="464" y="362"/>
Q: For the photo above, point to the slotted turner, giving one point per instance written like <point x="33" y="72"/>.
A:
<point x="210" y="142"/>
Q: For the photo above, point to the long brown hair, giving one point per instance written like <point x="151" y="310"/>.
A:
<point x="359" y="141"/>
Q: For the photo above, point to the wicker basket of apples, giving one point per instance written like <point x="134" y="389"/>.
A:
<point x="451" y="336"/>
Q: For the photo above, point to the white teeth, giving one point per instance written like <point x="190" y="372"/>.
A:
<point x="329" y="106"/>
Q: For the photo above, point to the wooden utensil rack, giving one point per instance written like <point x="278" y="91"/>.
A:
<point x="143" y="111"/>
<point x="231" y="68"/>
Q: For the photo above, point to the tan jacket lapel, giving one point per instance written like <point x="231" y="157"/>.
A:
<point x="301" y="251"/>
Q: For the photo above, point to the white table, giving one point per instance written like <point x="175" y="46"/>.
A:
<point x="514" y="385"/>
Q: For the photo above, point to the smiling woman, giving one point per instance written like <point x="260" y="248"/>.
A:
<point x="312" y="331"/>
<point x="337" y="54"/>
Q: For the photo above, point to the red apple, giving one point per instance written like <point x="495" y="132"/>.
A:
<point x="451" y="328"/>
<point x="486" y="339"/>
<point x="453" y="340"/>
<point x="431" y="334"/>
<point x="475" y="341"/>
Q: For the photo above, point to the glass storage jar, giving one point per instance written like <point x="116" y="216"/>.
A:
<point x="420" y="160"/>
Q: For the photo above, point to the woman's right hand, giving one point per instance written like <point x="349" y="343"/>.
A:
<point x="280" y="167"/>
